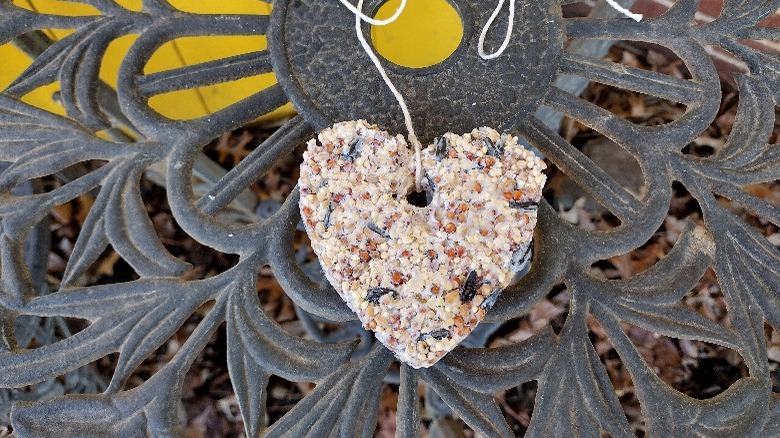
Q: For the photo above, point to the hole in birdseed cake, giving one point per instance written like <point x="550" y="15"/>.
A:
<point x="420" y="199"/>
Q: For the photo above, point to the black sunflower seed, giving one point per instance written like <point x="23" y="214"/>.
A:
<point x="429" y="181"/>
<point x="494" y="149"/>
<point x="374" y="294"/>
<point x="527" y="205"/>
<point x="470" y="287"/>
<point x="379" y="230"/>
<point x="440" y="148"/>
<point x="436" y="334"/>
<point x="326" y="220"/>
<point x="521" y="258"/>
<point x="353" y="150"/>
<point x="440" y="334"/>
<point x="491" y="299"/>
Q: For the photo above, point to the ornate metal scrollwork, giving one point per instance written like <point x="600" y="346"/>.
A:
<point x="575" y="396"/>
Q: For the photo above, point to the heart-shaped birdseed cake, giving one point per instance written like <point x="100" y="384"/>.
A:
<point x="420" y="277"/>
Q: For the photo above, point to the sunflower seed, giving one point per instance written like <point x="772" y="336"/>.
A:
<point x="374" y="294"/>
<point x="494" y="149"/>
<point x="430" y="182"/>
<point x="326" y="220"/>
<point x="491" y="299"/>
<point x="528" y="205"/>
<point x="353" y="150"/>
<point x="470" y="287"/>
<point x="377" y="229"/>
<point x="440" y="148"/>
<point x="521" y="258"/>
<point x="436" y="334"/>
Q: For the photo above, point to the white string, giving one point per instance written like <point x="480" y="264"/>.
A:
<point x="510" y="26"/>
<point x="359" y="16"/>
<point x="507" y="37"/>
<point x="624" y="11"/>
<point x="369" y="20"/>
<point x="407" y="117"/>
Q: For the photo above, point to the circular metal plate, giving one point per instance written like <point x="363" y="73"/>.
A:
<point x="322" y="67"/>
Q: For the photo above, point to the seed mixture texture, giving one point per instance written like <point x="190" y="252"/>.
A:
<point x="421" y="278"/>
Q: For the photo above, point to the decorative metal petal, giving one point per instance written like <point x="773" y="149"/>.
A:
<point x="751" y="292"/>
<point x="753" y="124"/>
<point x="741" y="409"/>
<point x="490" y="370"/>
<point x="85" y="416"/>
<point x="745" y="12"/>
<point x="344" y="403"/>
<point x="275" y="350"/>
<point x="128" y="229"/>
<point x="478" y="410"/>
<point x="27" y="367"/>
<point x="681" y="270"/>
<point x="575" y="382"/>
<point x="44" y="143"/>
<point x="676" y="320"/>
<point x="408" y="421"/>
<point x="46" y="68"/>
<point x="249" y="380"/>
<point x="133" y="321"/>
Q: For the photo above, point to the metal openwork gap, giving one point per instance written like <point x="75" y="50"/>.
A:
<point x="314" y="54"/>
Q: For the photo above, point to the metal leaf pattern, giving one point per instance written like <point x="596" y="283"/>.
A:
<point x="39" y="140"/>
<point x="575" y="396"/>
<point x="344" y="403"/>
<point x="565" y="387"/>
<point x="275" y="350"/>
<point x="489" y="370"/>
<point x="83" y="416"/>
<point x="742" y="407"/>
<point x="46" y="68"/>
<point x="150" y="306"/>
<point x="479" y="410"/>
<point x="128" y="229"/>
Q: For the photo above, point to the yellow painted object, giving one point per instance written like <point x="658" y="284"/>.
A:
<point x="426" y="33"/>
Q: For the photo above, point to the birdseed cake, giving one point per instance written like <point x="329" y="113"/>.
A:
<point x="420" y="277"/>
